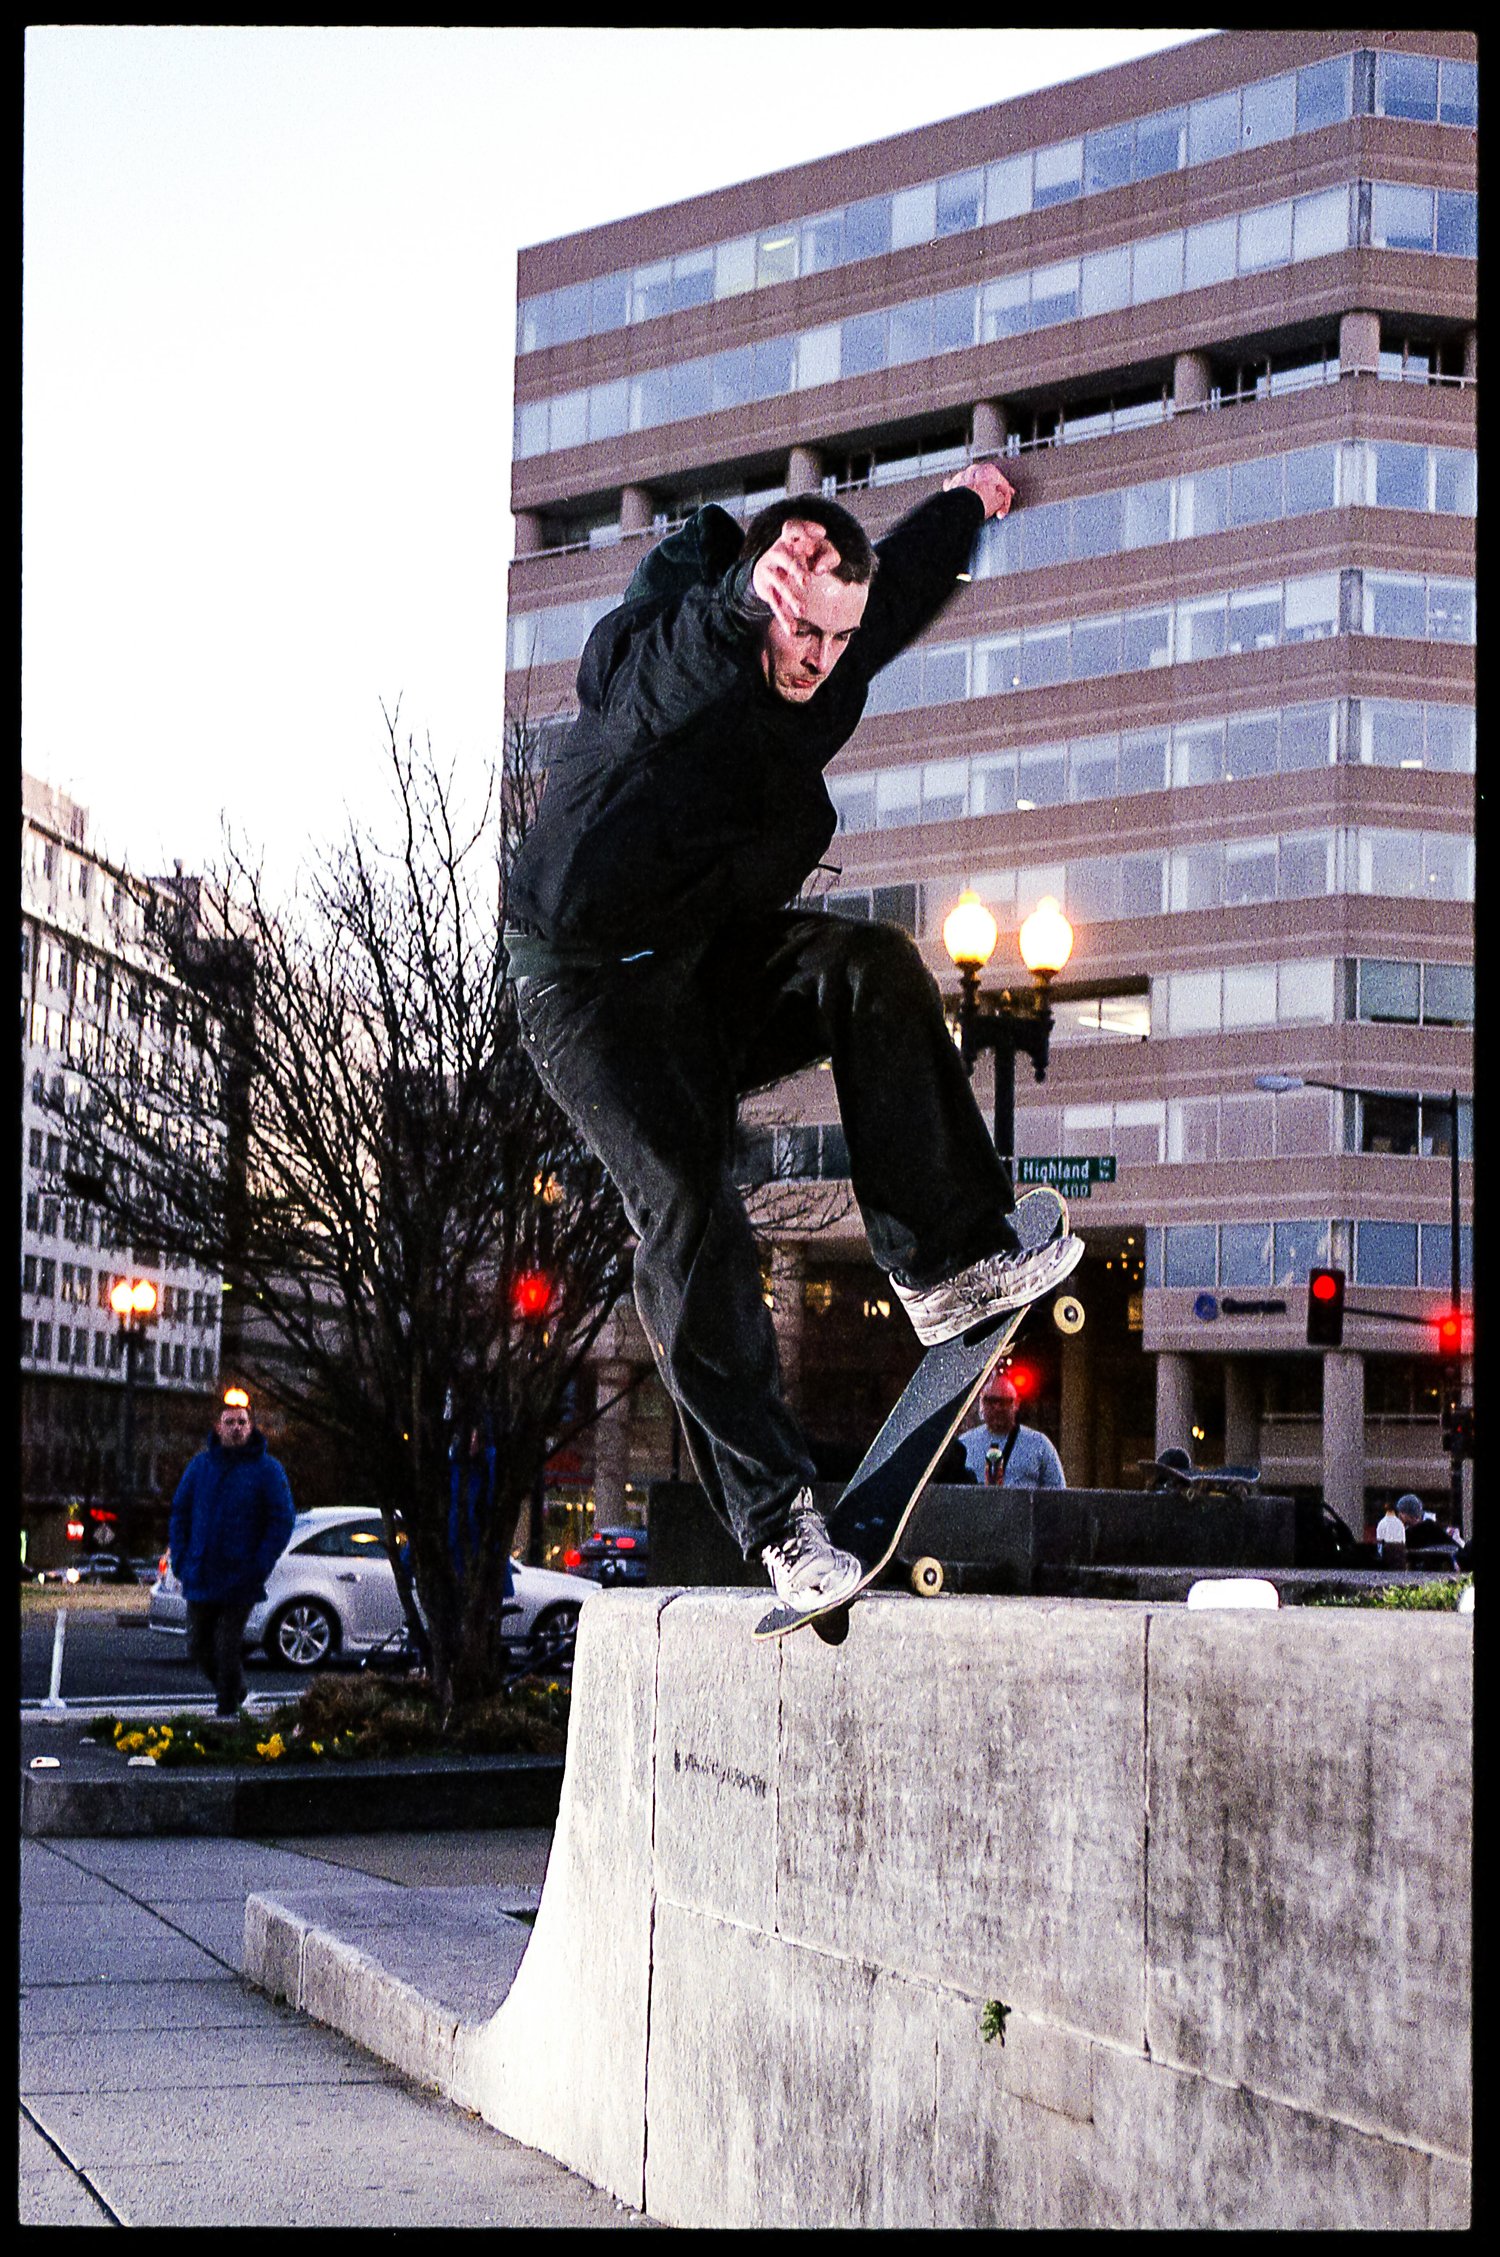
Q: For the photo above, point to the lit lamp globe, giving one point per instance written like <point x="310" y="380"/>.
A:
<point x="143" y="1298"/>
<point x="119" y="1299"/>
<point x="1046" y="939"/>
<point x="970" y="933"/>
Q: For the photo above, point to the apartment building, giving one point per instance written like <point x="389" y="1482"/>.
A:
<point x="89" y="962"/>
<point x="1211" y="685"/>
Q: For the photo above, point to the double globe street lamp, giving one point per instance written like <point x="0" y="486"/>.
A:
<point x="134" y="1301"/>
<point x="1013" y="1021"/>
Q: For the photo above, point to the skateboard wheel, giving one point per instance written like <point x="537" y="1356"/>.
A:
<point x="1067" y="1313"/>
<point x="927" y="1578"/>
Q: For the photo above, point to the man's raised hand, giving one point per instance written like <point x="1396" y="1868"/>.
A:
<point x="801" y="550"/>
<point x="989" y="483"/>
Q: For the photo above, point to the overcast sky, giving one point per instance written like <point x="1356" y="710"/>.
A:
<point x="268" y="330"/>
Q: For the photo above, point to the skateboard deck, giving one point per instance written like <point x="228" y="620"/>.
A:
<point x="870" y="1517"/>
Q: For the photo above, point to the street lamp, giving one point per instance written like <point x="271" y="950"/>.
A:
<point x="134" y="1301"/>
<point x="1012" y="1022"/>
<point x="1453" y="1370"/>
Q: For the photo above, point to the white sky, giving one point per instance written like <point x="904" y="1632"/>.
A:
<point x="268" y="333"/>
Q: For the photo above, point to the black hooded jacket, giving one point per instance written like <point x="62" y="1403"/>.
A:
<point x="688" y="796"/>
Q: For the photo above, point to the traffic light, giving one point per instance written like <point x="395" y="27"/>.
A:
<point x="1325" y="1308"/>
<point x="531" y="1296"/>
<point x="1458" y="1429"/>
<point x="1450" y="1335"/>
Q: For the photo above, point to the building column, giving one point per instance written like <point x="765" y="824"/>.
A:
<point x="1471" y="355"/>
<point x="1174" y="1403"/>
<point x="611" y="1444"/>
<point x="804" y="470"/>
<point x="989" y="427"/>
<point x="1241" y="1411"/>
<point x="528" y="532"/>
<point x="788" y="1266"/>
<point x="1078" y="1426"/>
<point x="1359" y="340"/>
<point x="1192" y="380"/>
<point x="1344" y="1436"/>
<point x="637" y="509"/>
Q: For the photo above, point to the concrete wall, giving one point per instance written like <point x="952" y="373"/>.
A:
<point x="1216" y="1865"/>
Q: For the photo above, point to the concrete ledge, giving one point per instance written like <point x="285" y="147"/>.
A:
<point x="1222" y="1891"/>
<point x="95" y="1793"/>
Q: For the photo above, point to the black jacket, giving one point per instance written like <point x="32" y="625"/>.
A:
<point x="687" y="796"/>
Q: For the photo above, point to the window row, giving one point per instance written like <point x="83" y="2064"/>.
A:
<point x="1102" y="282"/>
<point x="1220" y="125"/>
<point x="1375" y="732"/>
<point x="1218" y="874"/>
<point x="1312" y="991"/>
<point x="1258" y="491"/>
<point x="1281" y="1254"/>
<point x="68" y="1345"/>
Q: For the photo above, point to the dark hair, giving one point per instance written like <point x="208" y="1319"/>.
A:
<point x="857" y="559"/>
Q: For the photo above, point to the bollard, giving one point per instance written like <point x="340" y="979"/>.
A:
<point x="59" y="1640"/>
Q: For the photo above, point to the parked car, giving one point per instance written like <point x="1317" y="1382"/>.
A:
<point x="333" y="1593"/>
<point x="110" y="1567"/>
<point x="611" y="1555"/>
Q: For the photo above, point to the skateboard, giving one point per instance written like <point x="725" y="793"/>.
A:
<point x="870" y="1517"/>
<point x="1186" y="1480"/>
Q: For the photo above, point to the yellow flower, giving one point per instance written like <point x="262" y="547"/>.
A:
<point x="271" y="1748"/>
<point x="317" y="1747"/>
<point x="132" y="1741"/>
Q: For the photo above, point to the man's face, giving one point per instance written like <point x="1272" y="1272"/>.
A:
<point x="799" y="658"/>
<point x="234" y="1426"/>
<point x="1000" y="1407"/>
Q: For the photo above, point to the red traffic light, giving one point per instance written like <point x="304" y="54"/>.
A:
<point x="1325" y="1308"/>
<point x="1450" y="1332"/>
<point x="531" y="1296"/>
<point x="1323" y="1286"/>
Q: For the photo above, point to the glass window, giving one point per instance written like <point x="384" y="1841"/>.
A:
<point x="817" y="357"/>
<point x="1322" y="93"/>
<point x="1142" y="877"/>
<point x="609" y="407"/>
<point x="945" y="790"/>
<point x="734" y="267"/>
<point x="1108" y="158"/>
<point x="1437" y="1243"/>
<point x="1160" y="144"/>
<point x="1093" y="768"/>
<point x="945" y="674"/>
<point x="1310" y="608"/>
<point x="867" y="228"/>
<point x="1145" y="639"/>
<point x="531" y="428"/>
<point x="1308" y="737"/>
<point x="1448" y="995"/>
<point x="1200" y="629"/>
<point x="1385" y="1253"/>
<point x="1214" y="128"/>
<point x="960" y="202"/>
<point x="1044" y="657"/>
<point x="1450" y="738"/>
<point x="692" y="389"/>
<point x="1459" y="100"/>
<point x="1245" y="1254"/>
<point x="1210" y="253"/>
<point x="913" y="215"/>
<point x="1191" y="1254"/>
<point x="1156" y="268"/>
<point x="1303" y="1125"/>
<point x="862" y="349"/>
<point x="1148" y="514"/>
<point x="1249" y="871"/>
<point x="1388" y="1124"/>
<point x="1268" y="111"/>
<point x="897" y="687"/>
<point x="1044" y="535"/>
<point x="651" y="291"/>
<point x="1197" y="877"/>
<point x="1041" y="777"/>
<point x="776" y="257"/>
<point x="1265" y="238"/>
<point x="734" y="377"/>
<point x="1390" y="863"/>
<point x="1058" y="174"/>
<point x="692" y="279"/>
<point x="650" y="399"/>
<point x="1255" y="491"/>
<point x="1096" y="649"/>
<point x="855" y="802"/>
<point x="1320" y="224"/>
<point x="1400" y="476"/>
<point x="1250" y="995"/>
<point x="1298" y="1248"/>
<point x="1105" y="281"/>
<point x="1311" y="480"/>
<point x="569" y="426"/>
<point x="1250" y="749"/>
<point x="1054" y="294"/>
<point x="571" y="313"/>
<point x="822" y="243"/>
<point x="1455" y="483"/>
<point x="1406" y="86"/>
<point x="1450" y="611"/>
<point x="1143" y="761"/>
<point x="1007" y="188"/>
<point x="1005" y="306"/>
<point x="1203" y="502"/>
<point x="994" y="787"/>
<point x="1447" y="868"/>
<point x="1306" y="866"/>
<point x="1401" y="219"/>
<point x="1394" y="604"/>
<point x="898" y="797"/>
<point x="1098" y="524"/>
<point x="953" y="320"/>
<point x="534" y="324"/>
<point x="1304" y="992"/>
<point x="910" y="332"/>
<point x="997" y="666"/>
<point x="1458" y="224"/>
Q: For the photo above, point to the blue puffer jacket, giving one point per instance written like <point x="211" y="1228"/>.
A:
<point x="231" y="1518"/>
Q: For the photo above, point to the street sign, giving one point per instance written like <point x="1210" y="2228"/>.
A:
<point x="1074" y="1175"/>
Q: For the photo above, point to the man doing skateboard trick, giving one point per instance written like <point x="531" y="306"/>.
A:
<point x="660" y="973"/>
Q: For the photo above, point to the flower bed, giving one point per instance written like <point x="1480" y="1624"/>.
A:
<point x="342" y="1722"/>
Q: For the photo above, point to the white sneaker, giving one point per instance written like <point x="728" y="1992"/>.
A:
<point x="808" y="1571"/>
<point x="1048" y="1253"/>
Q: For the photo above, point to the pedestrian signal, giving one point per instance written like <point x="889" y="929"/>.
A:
<point x="1325" y="1308"/>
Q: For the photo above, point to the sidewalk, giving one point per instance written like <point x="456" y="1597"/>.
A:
<point x="157" y="2088"/>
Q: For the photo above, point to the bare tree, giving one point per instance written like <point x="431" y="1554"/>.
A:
<point x="329" y="1102"/>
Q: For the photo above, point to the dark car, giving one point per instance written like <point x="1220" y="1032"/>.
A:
<point x="610" y="1555"/>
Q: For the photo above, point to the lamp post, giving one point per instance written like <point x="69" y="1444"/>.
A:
<point x="1013" y="1022"/>
<point x="134" y="1301"/>
<point x="1452" y="1371"/>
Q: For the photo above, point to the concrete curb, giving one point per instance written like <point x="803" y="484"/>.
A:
<point x="102" y="1797"/>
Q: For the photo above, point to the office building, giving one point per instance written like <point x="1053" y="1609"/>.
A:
<point x="1210" y="684"/>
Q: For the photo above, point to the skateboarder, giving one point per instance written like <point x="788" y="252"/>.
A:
<point x="660" y="974"/>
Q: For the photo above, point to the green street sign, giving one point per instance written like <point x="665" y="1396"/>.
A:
<point x="1074" y="1176"/>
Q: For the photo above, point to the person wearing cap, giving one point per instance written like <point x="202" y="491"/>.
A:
<point x="1428" y="1543"/>
<point x="232" y="1517"/>
<point x="1001" y="1453"/>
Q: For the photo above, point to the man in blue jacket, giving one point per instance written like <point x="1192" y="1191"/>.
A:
<point x="231" y="1519"/>
<point x="662" y="972"/>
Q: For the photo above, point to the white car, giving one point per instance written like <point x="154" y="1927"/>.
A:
<point x="333" y="1591"/>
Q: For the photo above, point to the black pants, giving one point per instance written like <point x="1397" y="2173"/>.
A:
<point x="649" y="1061"/>
<point x="216" y="1637"/>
